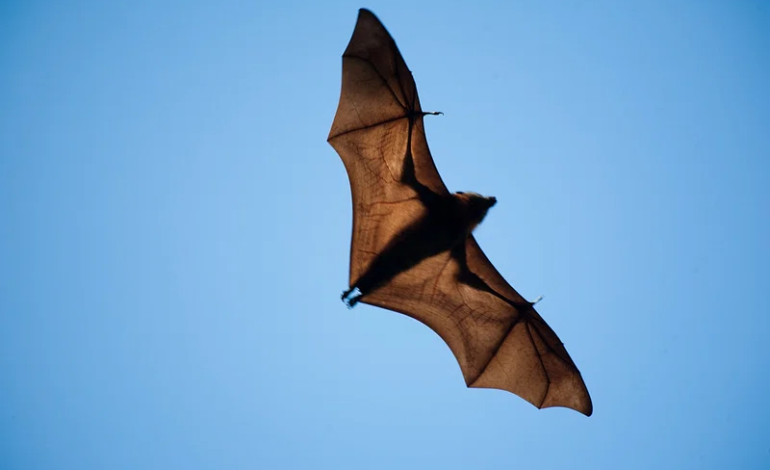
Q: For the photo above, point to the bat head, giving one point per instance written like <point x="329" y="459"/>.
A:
<point x="476" y="206"/>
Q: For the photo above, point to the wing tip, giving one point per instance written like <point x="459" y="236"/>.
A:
<point x="365" y="12"/>
<point x="578" y="400"/>
<point x="584" y="407"/>
<point x="586" y="410"/>
<point x="365" y="15"/>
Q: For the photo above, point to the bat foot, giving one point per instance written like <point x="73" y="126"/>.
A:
<point x="351" y="297"/>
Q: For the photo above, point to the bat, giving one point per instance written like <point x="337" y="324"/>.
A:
<point x="413" y="249"/>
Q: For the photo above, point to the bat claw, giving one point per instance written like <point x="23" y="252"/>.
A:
<point x="351" y="296"/>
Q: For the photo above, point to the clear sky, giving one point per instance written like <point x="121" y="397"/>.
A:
<point x="174" y="234"/>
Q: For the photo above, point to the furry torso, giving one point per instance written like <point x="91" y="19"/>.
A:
<point x="448" y="222"/>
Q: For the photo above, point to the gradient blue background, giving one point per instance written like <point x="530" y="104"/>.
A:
<point x="174" y="234"/>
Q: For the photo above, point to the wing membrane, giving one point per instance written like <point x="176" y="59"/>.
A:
<point x="372" y="134"/>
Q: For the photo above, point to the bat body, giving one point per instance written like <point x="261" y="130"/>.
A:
<point x="446" y="224"/>
<point x="413" y="249"/>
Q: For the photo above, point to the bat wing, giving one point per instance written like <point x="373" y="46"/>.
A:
<point x="378" y="132"/>
<point x="498" y="338"/>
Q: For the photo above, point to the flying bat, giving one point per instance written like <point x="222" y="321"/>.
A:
<point x="413" y="249"/>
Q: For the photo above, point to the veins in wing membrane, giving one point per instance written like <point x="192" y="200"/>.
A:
<point x="524" y="313"/>
<point x="383" y="79"/>
<point x="540" y="360"/>
<point x="369" y="126"/>
<point x="395" y="54"/>
<point x="407" y="107"/>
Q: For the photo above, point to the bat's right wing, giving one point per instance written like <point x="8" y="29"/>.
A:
<point x="530" y="360"/>
<point x="498" y="338"/>
<point x="378" y="132"/>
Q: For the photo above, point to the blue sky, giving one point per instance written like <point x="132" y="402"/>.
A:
<point x="175" y="234"/>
